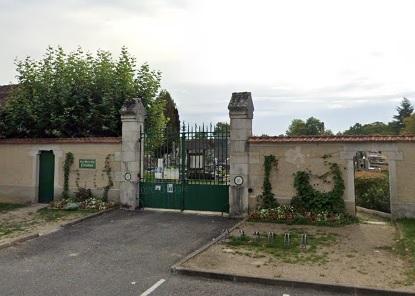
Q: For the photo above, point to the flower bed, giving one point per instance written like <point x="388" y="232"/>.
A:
<point x="91" y="203"/>
<point x="286" y="214"/>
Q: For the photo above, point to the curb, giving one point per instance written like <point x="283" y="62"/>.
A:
<point x="353" y="290"/>
<point x="36" y="235"/>
<point x="19" y="240"/>
<point x="79" y="220"/>
<point x="174" y="267"/>
<point x="374" y="212"/>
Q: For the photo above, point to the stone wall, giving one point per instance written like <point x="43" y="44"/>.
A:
<point x="307" y="154"/>
<point x="19" y="166"/>
<point x="403" y="205"/>
<point x="292" y="158"/>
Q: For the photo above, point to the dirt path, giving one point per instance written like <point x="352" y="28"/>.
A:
<point x="362" y="255"/>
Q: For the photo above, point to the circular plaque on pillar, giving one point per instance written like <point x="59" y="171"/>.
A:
<point x="127" y="176"/>
<point x="238" y="180"/>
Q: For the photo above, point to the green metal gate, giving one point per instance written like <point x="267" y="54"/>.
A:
<point x="187" y="169"/>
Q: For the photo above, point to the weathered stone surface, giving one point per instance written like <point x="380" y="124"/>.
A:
<point x="241" y="110"/>
<point x="132" y="117"/>
<point x="241" y="104"/>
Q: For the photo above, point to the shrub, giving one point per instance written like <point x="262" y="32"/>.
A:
<point x="372" y="191"/>
<point x="83" y="194"/>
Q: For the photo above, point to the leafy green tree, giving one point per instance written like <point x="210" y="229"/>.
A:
<point x="77" y="94"/>
<point x="296" y="128"/>
<point x="374" y="128"/>
<point x="409" y="125"/>
<point x="222" y="129"/>
<point x="311" y="127"/>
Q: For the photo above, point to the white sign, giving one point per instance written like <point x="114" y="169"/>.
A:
<point x="238" y="180"/>
<point x="170" y="188"/>
<point x="160" y="169"/>
<point x="157" y="187"/>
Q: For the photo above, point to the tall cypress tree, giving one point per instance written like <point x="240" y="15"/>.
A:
<point x="405" y="110"/>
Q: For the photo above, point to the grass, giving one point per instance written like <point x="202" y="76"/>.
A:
<point x="406" y="245"/>
<point x="8" y="228"/>
<point x="256" y="246"/>
<point x="42" y="216"/>
<point x="5" y="207"/>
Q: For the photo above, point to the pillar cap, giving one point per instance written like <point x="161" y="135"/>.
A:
<point x="241" y="104"/>
<point x="133" y="107"/>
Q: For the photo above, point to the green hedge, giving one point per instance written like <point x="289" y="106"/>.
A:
<point x="372" y="191"/>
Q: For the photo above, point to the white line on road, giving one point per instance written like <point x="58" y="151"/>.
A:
<point x="153" y="287"/>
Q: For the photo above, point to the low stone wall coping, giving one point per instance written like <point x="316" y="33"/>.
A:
<point x="90" y="140"/>
<point x="330" y="139"/>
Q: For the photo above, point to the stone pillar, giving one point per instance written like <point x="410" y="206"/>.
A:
<point x="241" y="110"/>
<point x="132" y="117"/>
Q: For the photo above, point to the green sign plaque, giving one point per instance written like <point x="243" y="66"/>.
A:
<point x="87" y="164"/>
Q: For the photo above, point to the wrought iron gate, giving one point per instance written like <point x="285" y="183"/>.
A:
<point x="186" y="170"/>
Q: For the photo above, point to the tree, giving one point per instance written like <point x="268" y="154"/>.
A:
<point x="374" y="128"/>
<point x="222" y="129"/>
<point x="170" y="112"/>
<point x="171" y="133"/>
<point x="409" y="125"/>
<point x="77" y="94"/>
<point x="296" y="128"/>
<point x="312" y="126"/>
<point x="405" y="110"/>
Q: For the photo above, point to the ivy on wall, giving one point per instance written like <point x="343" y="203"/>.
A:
<point x="308" y="198"/>
<point x="69" y="159"/>
<point x="107" y="170"/>
<point x="267" y="198"/>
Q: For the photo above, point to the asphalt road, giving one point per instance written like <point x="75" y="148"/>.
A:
<point x="121" y="253"/>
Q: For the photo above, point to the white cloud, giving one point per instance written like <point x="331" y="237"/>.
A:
<point x="298" y="57"/>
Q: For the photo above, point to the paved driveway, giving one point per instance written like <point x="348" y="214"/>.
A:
<point x="119" y="253"/>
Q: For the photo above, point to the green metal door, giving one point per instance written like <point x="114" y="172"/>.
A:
<point x="46" y="176"/>
<point x="187" y="170"/>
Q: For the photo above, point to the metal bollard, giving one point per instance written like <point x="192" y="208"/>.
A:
<point x="287" y="239"/>
<point x="304" y="241"/>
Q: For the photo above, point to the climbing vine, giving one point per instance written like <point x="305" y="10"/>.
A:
<point x="69" y="159"/>
<point x="310" y="199"/>
<point x="267" y="197"/>
<point x="107" y="171"/>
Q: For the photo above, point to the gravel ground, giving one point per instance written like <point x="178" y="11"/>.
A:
<point x="362" y="255"/>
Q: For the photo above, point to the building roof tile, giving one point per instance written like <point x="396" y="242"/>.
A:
<point x="331" y="139"/>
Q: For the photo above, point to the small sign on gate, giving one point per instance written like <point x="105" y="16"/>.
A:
<point x="170" y="188"/>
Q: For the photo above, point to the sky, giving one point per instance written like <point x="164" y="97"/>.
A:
<point x="342" y="61"/>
